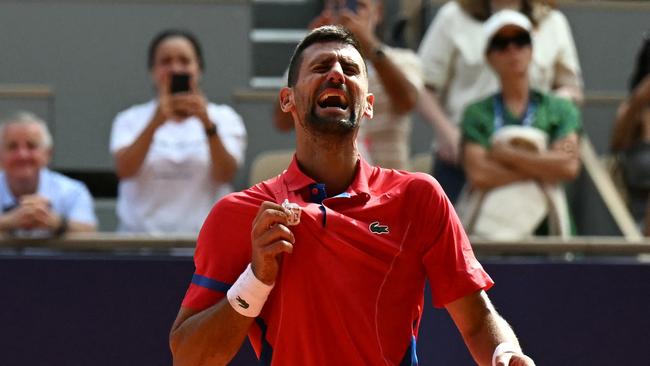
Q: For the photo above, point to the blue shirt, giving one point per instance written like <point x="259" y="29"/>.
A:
<point x="68" y="197"/>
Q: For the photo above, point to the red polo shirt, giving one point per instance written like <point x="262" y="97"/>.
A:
<point x="351" y="293"/>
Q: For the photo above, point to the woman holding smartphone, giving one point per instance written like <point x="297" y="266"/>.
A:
<point x="174" y="155"/>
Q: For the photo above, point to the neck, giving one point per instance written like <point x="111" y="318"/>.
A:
<point x="22" y="187"/>
<point x="331" y="161"/>
<point x="515" y="91"/>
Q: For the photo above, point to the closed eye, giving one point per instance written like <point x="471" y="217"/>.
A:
<point x="350" y="67"/>
<point x="320" y="69"/>
<point x="351" y="70"/>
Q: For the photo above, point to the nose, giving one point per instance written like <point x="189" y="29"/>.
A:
<point x="177" y="67"/>
<point x="23" y="152"/>
<point x="336" y="75"/>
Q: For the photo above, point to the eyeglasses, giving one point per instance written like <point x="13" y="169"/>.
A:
<point x="500" y="43"/>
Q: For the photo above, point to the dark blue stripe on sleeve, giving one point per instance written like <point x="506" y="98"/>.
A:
<point x="266" y="356"/>
<point x="210" y="283"/>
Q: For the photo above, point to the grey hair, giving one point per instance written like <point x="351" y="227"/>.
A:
<point x="25" y="118"/>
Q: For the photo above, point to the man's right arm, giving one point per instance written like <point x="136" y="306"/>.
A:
<point x="209" y="337"/>
<point x="8" y="221"/>
<point x="214" y="335"/>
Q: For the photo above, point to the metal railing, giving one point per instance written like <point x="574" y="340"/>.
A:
<point x="99" y="242"/>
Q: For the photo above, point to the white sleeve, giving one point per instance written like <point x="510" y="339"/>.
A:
<point x="567" y="66"/>
<point x="81" y="208"/>
<point x="124" y="130"/>
<point x="437" y="49"/>
<point x="231" y="130"/>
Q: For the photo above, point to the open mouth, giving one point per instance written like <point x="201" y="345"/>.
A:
<point x="333" y="99"/>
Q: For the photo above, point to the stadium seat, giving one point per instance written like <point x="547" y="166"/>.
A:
<point x="269" y="164"/>
<point x="421" y="162"/>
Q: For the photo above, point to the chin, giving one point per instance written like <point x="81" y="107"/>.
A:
<point x="334" y="125"/>
<point x="25" y="174"/>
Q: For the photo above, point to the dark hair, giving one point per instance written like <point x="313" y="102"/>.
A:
<point x="642" y="63"/>
<point x="170" y="33"/>
<point x="327" y="33"/>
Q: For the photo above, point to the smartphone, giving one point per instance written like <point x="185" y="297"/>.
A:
<point x="351" y="4"/>
<point x="345" y="4"/>
<point x="180" y="83"/>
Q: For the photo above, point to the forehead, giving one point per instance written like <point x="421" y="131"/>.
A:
<point x="14" y="131"/>
<point x="175" y="44"/>
<point x="322" y="51"/>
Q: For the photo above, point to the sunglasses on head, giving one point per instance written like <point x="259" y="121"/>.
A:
<point x="500" y="43"/>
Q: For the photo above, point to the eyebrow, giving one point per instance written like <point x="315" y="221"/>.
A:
<point x="345" y="60"/>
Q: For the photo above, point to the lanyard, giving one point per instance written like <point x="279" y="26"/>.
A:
<point x="499" y="112"/>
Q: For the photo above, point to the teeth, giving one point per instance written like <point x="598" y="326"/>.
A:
<point x="327" y="95"/>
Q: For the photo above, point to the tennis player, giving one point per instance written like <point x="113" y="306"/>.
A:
<point x="343" y="284"/>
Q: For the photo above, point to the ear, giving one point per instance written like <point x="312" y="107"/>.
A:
<point x="379" y="11"/>
<point x="286" y="99"/>
<point x="368" y="111"/>
<point x="49" y="153"/>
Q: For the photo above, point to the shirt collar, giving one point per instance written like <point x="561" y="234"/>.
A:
<point x="7" y="198"/>
<point x="295" y="179"/>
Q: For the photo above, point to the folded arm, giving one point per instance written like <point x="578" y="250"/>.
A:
<point x="558" y="164"/>
<point x="484" y="172"/>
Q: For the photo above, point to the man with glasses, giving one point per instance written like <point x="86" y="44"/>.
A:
<point x="519" y="134"/>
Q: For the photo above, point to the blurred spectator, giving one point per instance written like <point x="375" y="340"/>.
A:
<point x="505" y="136"/>
<point x="394" y="77"/>
<point x="456" y="74"/>
<point x="631" y="138"/>
<point x="35" y="201"/>
<point x="177" y="154"/>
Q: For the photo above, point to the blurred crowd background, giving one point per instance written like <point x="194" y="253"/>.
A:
<point x="76" y="65"/>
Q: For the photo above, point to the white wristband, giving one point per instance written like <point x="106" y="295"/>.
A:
<point x="503" y="348"/>
<point x="248" y="294"/>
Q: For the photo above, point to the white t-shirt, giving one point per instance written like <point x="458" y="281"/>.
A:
<point x="173" y="191"/>
<point x="453" y="59"/>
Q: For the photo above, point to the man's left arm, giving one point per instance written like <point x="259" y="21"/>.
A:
<point x="487" y="335"/>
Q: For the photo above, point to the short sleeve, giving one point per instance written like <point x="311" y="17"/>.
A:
<point x="81" y="208"/>
<point x="452" y="269"/>
<point x="223" y="250"/>
<point x="567" y="66"/>
<point x="231" y="130"/>
<point x="476" y="125"/>
<point x="125" y="129"/>
<point x="567" y="119"/>
<point x="437" y="49"/>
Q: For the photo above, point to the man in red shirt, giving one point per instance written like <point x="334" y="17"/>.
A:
<point x="344" y="285"/>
